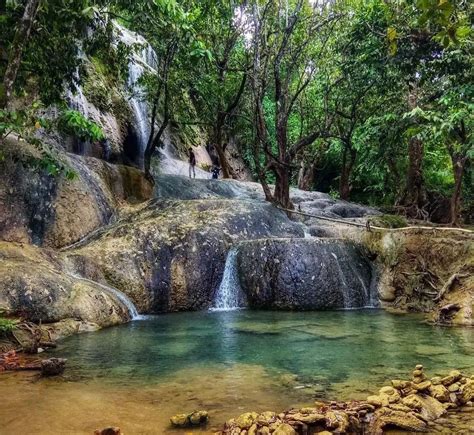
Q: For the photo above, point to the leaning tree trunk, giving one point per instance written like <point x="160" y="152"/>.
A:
<point x="21" y="38"/>
<point x="459" y="162"/>
<point x="346" y="171"/>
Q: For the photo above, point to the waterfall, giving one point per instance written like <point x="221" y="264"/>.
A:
<point x="141" y="60"/>
<point x="230" y="296"/>
<point x="77" y="100"/>
<point x="118" y="294"/>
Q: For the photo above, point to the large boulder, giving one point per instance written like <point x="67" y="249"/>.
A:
<point x="55" y="211"/>
<point x="305" y="274"/>
<point x="34" y="284"/>
<point x="170" y="255"/>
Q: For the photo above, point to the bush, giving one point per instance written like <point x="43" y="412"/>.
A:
<point x="6" y="326"/>
<point x="76" y="124"/>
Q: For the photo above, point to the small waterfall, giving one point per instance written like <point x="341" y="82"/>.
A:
<point x="230" y="296"/>
<point x="118" y="294"/>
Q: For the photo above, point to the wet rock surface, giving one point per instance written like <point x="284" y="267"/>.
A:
<point x="170" y="255"/>
<point x="305" y="274"/>
<point x="400" y="407"/>
<point x="34" y="284"/>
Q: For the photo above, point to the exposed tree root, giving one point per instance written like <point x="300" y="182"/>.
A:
<point x="449" y="284"/>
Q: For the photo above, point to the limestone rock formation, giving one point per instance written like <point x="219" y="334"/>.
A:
<point x="35" y="285"/>
<point x="305" y="274"/>
<point x="53" y="211"/>
<point x="170" y="255"/>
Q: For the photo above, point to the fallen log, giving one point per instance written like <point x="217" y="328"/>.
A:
<point x="10" y="361"/>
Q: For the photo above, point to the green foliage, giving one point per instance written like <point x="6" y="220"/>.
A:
<point x="24" y="124"/>
<point x="76" y="124"/>
<point x="6" y="326"/>
<point x="364" y="61"/>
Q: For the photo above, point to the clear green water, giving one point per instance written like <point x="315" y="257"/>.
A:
<point x="136" y="376"/>
<point x="354" y="351"/>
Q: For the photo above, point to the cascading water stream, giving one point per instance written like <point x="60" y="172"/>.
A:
<point x="141" y="60"/>
<point x="118" y="294"/>
<point x="230" y="295"/>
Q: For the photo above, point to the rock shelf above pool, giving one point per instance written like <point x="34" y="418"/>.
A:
<point x="414" y="405"/>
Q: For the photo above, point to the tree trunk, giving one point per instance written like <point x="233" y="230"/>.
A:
<point x="282" y="187"/>
<point x="459" y="162"/>
<point x="414" y="197"/>
<point x="346" y="171"/>
<point x="20" y="40"/>
<point x="224" y="164"/>
<point x="153" y="142"/>
<point x="306" y="176"/>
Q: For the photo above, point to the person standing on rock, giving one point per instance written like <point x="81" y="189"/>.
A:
<point x="192" y="163"/>
<point x="215" y="172"/>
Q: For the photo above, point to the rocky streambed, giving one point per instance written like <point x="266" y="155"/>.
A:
<point x="415" y="405"/>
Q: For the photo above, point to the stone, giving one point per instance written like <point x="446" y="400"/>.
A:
<point x="252" y="430"/>
<point x="389" y="394"/>
<point x="337" y="420"/>
<point x="419" y="367"/>
<point x="439" y="392"/>
<point x="377" y="401"/>
<point x="467" y="392"/>
<point x="263" y="431"/>
<point x="308" y="418"/>
<point x="284" y="429"/>
<point x="53" y="366"/>
<point x="398" y="419"/>
<point x="198" y="417"/>
<point x="387" y="390"/>
<point x="418" y="379"/>
<point x="424" y="385"/>
<point x="364" y="407"/>
<point x="244" y="421"/>
<point x="399" y="407"/>
<point x="108" y="431"/>
<point x="453" y="377"/>
<point x="400" y="385"/>
<point x="436" y="380"/>
<point x="266" y="418"/>
<point x="427" y="406"/>
<point x="417" y="373"/>
<point x="454" y="387"/>
<point x="180" y="420"/>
